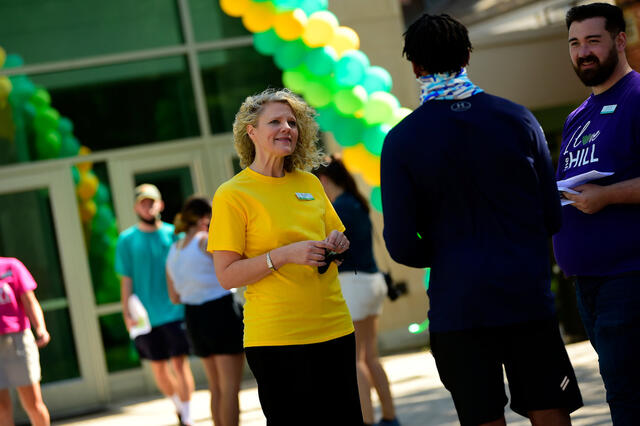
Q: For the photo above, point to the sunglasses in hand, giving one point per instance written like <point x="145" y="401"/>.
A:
<point x="330" y="256"/>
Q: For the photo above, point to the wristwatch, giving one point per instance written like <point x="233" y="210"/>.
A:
<point x="270" y="262"/>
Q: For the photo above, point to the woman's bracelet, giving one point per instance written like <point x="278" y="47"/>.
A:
<point x="270" y="262"/>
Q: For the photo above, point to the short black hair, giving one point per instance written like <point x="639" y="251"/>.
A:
<point x="614" y="19"/>
<point x="438" y="43"/>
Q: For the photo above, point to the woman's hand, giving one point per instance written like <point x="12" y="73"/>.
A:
<point x="310" y="253"/>
<point x="339" y="243"/>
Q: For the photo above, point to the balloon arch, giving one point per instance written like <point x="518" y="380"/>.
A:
<point x="321" y="60"/>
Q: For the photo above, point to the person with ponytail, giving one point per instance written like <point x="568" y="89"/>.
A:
<point x="363" y="286"/>
<point x="213" y="316"/>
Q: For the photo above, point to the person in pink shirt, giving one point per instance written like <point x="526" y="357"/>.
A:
<point x="19" y="358"/>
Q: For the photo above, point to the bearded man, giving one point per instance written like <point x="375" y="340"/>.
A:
<point x="599" y="241"/>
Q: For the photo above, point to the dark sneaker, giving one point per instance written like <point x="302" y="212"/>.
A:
<point x="384" y="422"/>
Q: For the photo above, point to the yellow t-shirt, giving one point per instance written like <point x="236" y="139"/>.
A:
<point x="252" y="214"/>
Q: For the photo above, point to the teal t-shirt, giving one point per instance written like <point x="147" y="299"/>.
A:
<point x="141" y="256"/>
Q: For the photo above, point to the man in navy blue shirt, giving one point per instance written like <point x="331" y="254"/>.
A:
<point x="599" y="243"/>
<point x="468" y="190"/>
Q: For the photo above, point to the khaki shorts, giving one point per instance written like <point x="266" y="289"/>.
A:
<point x="19" y="360"/>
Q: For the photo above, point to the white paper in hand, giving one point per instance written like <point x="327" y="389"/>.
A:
<point x="566" y="185"/>
<point x="140" y="316"/>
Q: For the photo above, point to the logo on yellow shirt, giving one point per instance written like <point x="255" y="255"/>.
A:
<point x="304" y="196"/>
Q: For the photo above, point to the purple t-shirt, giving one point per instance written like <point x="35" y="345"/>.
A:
<point x="602" y="134"/>
<point x="15" y="280"/>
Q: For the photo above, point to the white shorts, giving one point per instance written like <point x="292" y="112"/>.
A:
<point x="19" y="360"/>
<point x="363" y="292"/>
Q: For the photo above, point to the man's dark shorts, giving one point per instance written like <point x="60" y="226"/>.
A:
<point x="163" y="342"/>
<point x="539" y="372"/>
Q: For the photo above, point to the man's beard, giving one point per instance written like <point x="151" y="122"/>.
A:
<point x="601" y="72"/>
<point x="151" y="221"/>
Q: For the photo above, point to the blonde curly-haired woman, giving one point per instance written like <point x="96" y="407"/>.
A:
<point x="271" y="225"/>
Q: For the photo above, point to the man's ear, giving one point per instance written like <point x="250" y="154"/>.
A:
<point x="621" y="41"/>
<point x="418" y="70"/>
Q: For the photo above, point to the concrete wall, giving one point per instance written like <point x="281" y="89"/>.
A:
<point x="532" y="68"/>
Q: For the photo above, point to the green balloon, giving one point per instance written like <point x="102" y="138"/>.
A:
<point x="380" y="107"/>
<point x="69" y="146"/>
<point x="398" y="115"/>
<point x="311" y="6"/>
<point x="317" y="94"/>
<point x="286" y="4"/>
<point x="373" y="137"/>
<point x="12" y="61"/>
<point x="102" y="195"/>
<point x="30" y="110"/>
<point x="23" y="88"/>
<point x="41" y="98"/>
<point x="348" y="131"/>
<point x="46" y="119"/>
<point x="48" y="144"/>
<point x="102" y="220"/>
<point x="427" y="277"/>
<point x="327" y="118"/>
<point x="75" y="174"/>
<point x="65" y="126"/>
<point x="290" y="54"/>
<point x="350" y="69"/>
<point x="267" y="42"/>
<point x="296" y="78"/>
<point x="377" y="79"/>
<point x="348" y="101"/>
<point x="376" y="198"/>
<point x="322" y="60"/>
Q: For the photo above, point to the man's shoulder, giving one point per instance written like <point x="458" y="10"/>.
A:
<point x="166" y="228"/>
<point x="129" y="233"/>
<point x="504" y="104"/>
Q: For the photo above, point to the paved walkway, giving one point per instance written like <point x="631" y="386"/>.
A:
<point x="419" y="396"/>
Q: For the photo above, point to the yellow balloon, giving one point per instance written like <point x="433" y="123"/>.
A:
<point x="259" y="17"/>
<point x="371" y="171"/>
<point x="344" y="38"/>
<point x="5" y="89"/>
<point x="348" y="158"/>
<point x="87" y="210"/>
<point x="352" y="157"/>
<point x="87" y="186"/>
<point x="3" y="56"/>
<point x="235" y="8"/>
<point x="358" y="160"/>
<point x="320" y="28"/>
<point x="87" y="165"/>
<point x="290" y="25"/>
<point x="369" y="167"/>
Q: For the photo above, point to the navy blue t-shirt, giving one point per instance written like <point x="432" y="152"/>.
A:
<point x="602" y="134"/>
<point x="474" y="178"/>
<point x="354" y="217"/>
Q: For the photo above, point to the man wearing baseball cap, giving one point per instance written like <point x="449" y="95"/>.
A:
<point x="141" y="255"/>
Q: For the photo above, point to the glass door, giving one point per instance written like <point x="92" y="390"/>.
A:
<point x="36" y="227"/>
